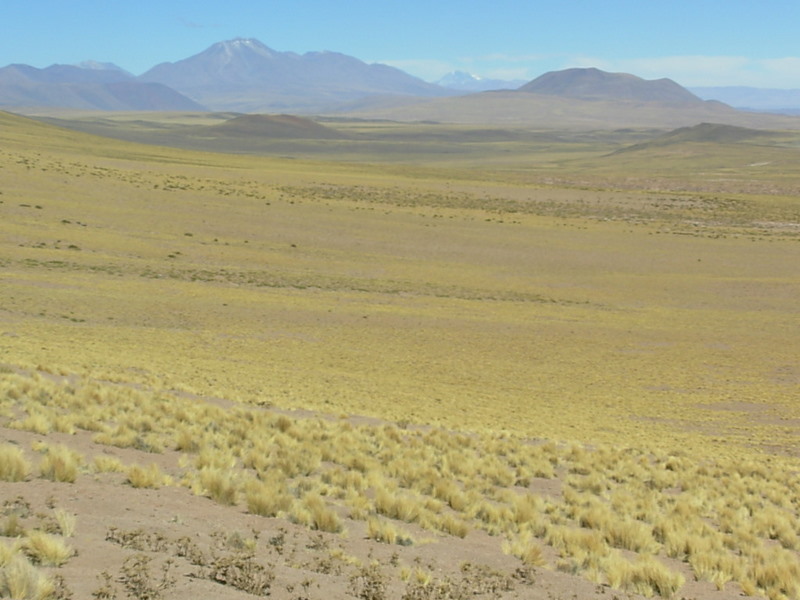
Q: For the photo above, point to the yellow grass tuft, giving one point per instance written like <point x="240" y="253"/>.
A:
<point x="20" y="580"/>
<point x="46" y="549"/>
<point x="60" y="464"/>
<point x="13" y="465"/>
<point x="146" y="477"/>
<point x="267" y="498"/>
<point x="647" y="576"/>
<point x="388" y="533"/>
<point x="103" y="463"/>
<point x="8" y="552"/>
<point x="526" y="549"/>
<point x="318" y="515"/>
<point x="66" y="522"/>
<point x="220" y="485"/>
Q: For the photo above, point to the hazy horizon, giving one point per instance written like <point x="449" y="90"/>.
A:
<point x="707" y="43"/>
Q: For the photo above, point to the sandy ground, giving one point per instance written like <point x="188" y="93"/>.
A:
<point x="116" y="522"/>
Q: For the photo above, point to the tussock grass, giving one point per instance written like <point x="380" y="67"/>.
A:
<point x="312" y="512"/>
<point x="22" y="581"/>
<point x="267" y="498"/>
<point x="46" y="549"/>
<point x="387" y="532"/>
<point x="60" y="463"/>
<point x="146" y="477"/>
<point x="107" y="464"/>
<point x="526" y="549"/>
<point x="66" y="522"/>
<point x="220" y="485"/>
<point x="13" y="464"/>
<point x="647" y="576"/>
<point x="8" y="552"/>
<point x="396" y="505"/>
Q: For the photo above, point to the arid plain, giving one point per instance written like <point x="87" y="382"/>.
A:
<point x="407" y="361"/>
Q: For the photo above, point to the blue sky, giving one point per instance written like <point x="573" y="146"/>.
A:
<point x="703" y="42"/>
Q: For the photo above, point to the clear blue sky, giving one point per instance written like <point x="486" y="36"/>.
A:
<point x="703" y="42"/>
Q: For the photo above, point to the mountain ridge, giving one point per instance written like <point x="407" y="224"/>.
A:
<point x="70" y="86"/>
<point x="245" y="75"/>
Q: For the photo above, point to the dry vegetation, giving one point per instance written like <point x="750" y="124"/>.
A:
<point x="398" y="382"/>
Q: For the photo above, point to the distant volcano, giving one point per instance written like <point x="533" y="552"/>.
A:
<point x="594" y="84"/>
<point x="245" y="75"/>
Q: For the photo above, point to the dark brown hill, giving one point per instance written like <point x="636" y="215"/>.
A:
<point x="275" y="126"/>
<point x="594" y="84"/>
<point x="716" y="133"/>
<point x="712" y="132"/>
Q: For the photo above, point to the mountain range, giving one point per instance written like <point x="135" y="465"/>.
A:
<point x="244" y="75"/>
<point x="92" y="88"/>
<point x="467" y="82"/>
<point x="585" y="99"/>
<point x="755" y="99"/>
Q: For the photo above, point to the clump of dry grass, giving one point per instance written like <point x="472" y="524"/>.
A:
<point x="314" y="513"/>
<point x="13" y="465"/>
<point x="220" y="485"/>
<point x="66" y="522"/>
<point x="103" y="463"/>
<point x="46" y="549"/>
<point x="383" y="531"/>
<point x="267" y="498"/>
<point x="20" y="580"/>
<point x="526" y="549"/>
<point x="60" y="463"/>
<point x="146" y="477"/>
<point x="647" y="576"/>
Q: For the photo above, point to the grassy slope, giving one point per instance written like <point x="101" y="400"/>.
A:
<point x="665" y="321"/>
<point x="337" y="287"/>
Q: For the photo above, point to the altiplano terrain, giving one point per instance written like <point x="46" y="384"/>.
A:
<point x="406" y="361"/>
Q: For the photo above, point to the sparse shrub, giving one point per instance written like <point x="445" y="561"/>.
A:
<point x="13" y="466"/>
<point x="440" y="589"/>
<point x="242" y="572"/>
<point x="186" y="548"/>
<point x="106" y="591"/>
<point x="138" y="539"/>
<point x="368" y="583"/>
<point x="138" y="581"/>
